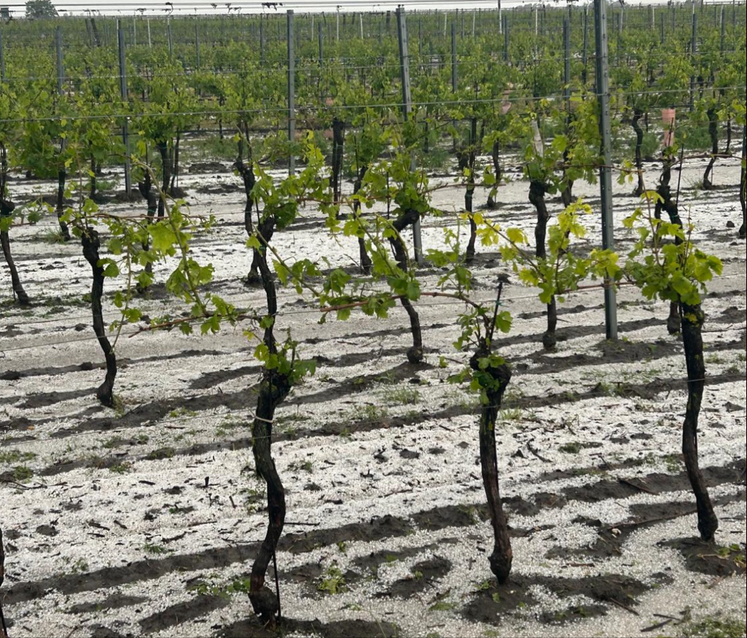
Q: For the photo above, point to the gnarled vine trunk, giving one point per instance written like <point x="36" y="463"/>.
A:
<point x="502" y="554"/>
<point x="91" y="244"/>
<point x="495" y="155"/>
<point x="146" y="190"/>
<point x="163" y="150"/>
<point x="338" y="146"/>
<point x="665" y="203"/>
<point x="60" y="206"/>
<point x="408" y="218"/>
<point x="466" y="158"/>
<point x="537" y="191"/>
<point x="246" y="170"/>
<point x="713" y="132"/>
<point x="6" y="208"/>
<point x="273" y="389"/>
<point x="363" y="253"/>
<point x="693" y="318"/>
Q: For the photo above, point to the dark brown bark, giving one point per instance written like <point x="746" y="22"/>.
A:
<point x="92" y="191"/>
<point x="338" y="145"/>
<point x="713" y="132"/>
<point x="175" y="167"/>
<point x="666" y="204"/>
<point x="537" y="192"/>
<point x="635" y="123"/>
<point x="502" y="555"/>
<point x="60" y="208"/>
<point x="495" y="155"/>
<point x="363" y="253"/>
<point x="466" y="158"/>
<point x="246" y="170"/>
<point x="407" y="218"/>
<point x="273" y="389"/>
<point x="91" y="244"/>
<point x="693" y="318"/>
<point x="6" y="208"/>
<point x="146" y="190"/>
<point x="163" y="150"/>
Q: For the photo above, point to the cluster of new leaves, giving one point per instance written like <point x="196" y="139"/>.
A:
<point x="664" y="263"/>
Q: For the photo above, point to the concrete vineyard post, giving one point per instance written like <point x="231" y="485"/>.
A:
<point x="60" y="69"/>
<point x="605" y="171"/>
<point x="123" y="94"/>
<point x="404" y="57"/>
<point x="291" y="94"/>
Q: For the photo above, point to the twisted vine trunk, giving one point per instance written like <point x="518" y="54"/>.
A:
<point x="338" y="145"/>
<point x="365" y="259"/>
<point x="566" y="194"/>
<point x="495" y="155"/>
<point x="693" y="318"/>
<point x="163" y="150"/>
<point x="466" y="160"/>
<point x="408" y="218"/>
<point x="174" y="177"/>
<point x="713" y="132"/>
<point x="635" y="123"/>
<point x="246" y="170"/>
<point x="146" y="190"/>
<point x="6" y="208"/>
<point x="92" y="191"/>
<point x="273" y="389"/>
<point x="665" y="203"/>
<point x="537" y="191"/>
<point x="60" y="206"/>
<point x="91" y="244"/>
<point x="502" y="555"/>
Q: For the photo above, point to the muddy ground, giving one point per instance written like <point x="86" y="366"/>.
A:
<point x="144" y="521"/>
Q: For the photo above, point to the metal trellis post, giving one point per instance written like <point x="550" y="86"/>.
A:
<point x="291" y="94"/>
<point x="605" y="171"/>
<point x="123" y="92"/>
<point x="404" y="56"/>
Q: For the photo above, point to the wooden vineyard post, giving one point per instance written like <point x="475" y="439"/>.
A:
<point x="2" y="59"/>
<point x="585" y="54"/>
<point x="605" y="171"/>
<point x="150" y="43"/>
<point x="168" y="34"/>
<point x="123" y="93"/>
<point x="291" y="94"/>
<point x="404" y="57"/>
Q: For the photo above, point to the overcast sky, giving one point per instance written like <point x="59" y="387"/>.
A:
<point x="190" y="7"/>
